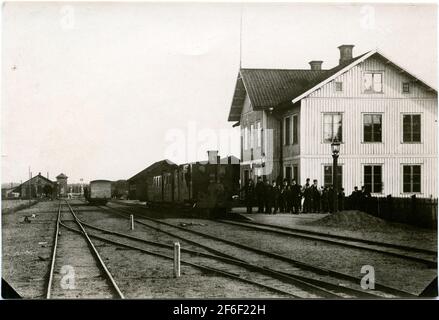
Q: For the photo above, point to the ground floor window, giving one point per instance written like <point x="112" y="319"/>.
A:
<point x="296" y="173"/>
<point x="288" y="175"/>
<point x="373" y="178"/>
<point x="327" y="179"/>
<point x="411" y="178"/>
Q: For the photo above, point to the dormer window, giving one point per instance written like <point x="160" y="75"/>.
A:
<point x="373" y="82"/>
<point x="406" y="87"/>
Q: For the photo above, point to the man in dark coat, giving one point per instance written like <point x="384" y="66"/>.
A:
<point x="260" y="194"/>
<point x="325" y="200"/>
<point x="295" y="195"/>
<point x="249" y="195"/>
<point x="276" y="196"/>
<point x="341" y="198"/>
<point x="355" y="199"/>
<point x="307" y="203"/>
<point x="269" y="197"/>
<point x="331" y="195"/>
<point x="364" y="199"/>
<point x="315" y="194"/>
<point x="283" y="196"/>
<point x="288" y="199"/>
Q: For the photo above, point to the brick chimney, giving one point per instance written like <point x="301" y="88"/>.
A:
<point x="316" y="65"/>
<point x="345" y="52"/>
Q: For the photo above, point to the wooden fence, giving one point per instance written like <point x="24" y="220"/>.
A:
<point x="421" y="212"/>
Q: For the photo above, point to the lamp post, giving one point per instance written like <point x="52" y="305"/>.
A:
<point x="335" y="148"/>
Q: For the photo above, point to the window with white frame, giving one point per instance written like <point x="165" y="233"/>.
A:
<point x="411" y="178"/>
<point x="373" y="178"/>
<point x="332" y="127"/>
<point x="373" y="82"/>
<point x="372" y="128"/>
<point x="328" y="178"/>
<point x="406" y="87"/>
<point x="411" y="128"/>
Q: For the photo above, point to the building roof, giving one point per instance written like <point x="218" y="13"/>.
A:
<point x="154" y="166"/>
<point x="270" y="88"/>
<point x="61" y="176"/>
<point x="33" y="178"/>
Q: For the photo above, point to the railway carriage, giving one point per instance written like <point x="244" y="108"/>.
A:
<point x="207" y="186"/>
<point x="98" y="192"/>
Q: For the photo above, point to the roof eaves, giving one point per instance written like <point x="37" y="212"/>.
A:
<point x="405" y="70"/>
<point x="333" y="76"/>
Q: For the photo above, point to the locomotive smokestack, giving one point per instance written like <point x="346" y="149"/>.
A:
<point x="212" y="156"/>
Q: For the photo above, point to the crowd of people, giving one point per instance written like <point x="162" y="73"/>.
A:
<point x="290" y="197"/>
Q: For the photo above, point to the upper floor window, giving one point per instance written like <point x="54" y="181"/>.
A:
<point x="373" y="82"/>
<point x="372" y="127"/>
<point x="295" y="129"/>
<point x="291" y="129"/>
<point x="406" y="87"/>
<point x="287" y="129"/>
<point x="332" y="127"/>
<point x="339" y="86"/>
<point x="411" y="128"/>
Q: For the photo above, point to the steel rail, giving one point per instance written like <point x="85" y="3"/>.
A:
<point x="383" y="288"/>
<point x="305" y="282"/>
<point x="324" y="238"/>
<point x="54" y="249"/>
<point x="335" y="236"/>
<point x="97" y="255"/>
<point x="203" y="268"/>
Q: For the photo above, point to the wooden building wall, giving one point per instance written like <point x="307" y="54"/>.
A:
<point x="354" y="152"/>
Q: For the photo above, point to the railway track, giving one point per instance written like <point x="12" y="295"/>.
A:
<point x="307" y="288"/>
<point x="424" y="256"/>
<point x="319" y="276"/>
<point x="421" y="255"/>
<point x="108" y="283"/>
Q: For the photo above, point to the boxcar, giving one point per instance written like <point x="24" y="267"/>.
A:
<point x="99" y="192"/>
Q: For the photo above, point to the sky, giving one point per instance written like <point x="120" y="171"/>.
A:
<point x="103" y="90"/>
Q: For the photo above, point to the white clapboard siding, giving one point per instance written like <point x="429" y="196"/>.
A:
<point x="312" y="167"/>
<point x="392" y="83"/>
<point x="391" y="153"/>
<point x="353" y="110"/>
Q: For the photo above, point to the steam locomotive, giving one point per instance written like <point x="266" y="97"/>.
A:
<point x="205" y="186"/>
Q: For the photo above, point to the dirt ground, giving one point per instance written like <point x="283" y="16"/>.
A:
<point x="27" y="248"/>
<point x="14" y="205"/>
<point x="355" y="224"/>
<point x="27" y="251"/>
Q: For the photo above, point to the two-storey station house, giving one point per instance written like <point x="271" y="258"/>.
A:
<point x="384" y="116"/>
